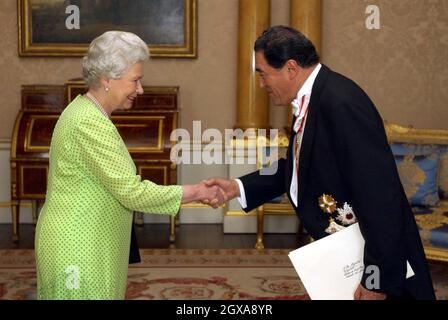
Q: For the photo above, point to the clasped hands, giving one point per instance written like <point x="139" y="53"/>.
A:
<point x="216" y="191"/>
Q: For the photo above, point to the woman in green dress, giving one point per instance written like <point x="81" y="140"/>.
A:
<point x="84" y="229"/>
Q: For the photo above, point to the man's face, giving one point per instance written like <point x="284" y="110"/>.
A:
<point x="276" y="81"/>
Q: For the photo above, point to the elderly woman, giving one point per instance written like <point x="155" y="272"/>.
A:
<point x="84" y="229"/>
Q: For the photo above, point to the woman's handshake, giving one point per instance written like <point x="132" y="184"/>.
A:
<point x="212" y="195"/>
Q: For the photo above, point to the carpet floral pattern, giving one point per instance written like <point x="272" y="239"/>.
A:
<point x="192" y="274"/>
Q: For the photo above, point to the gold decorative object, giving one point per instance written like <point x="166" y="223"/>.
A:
<point x="327" y="203"/>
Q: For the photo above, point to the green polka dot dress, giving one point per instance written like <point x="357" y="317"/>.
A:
<point x="84" y="229"/>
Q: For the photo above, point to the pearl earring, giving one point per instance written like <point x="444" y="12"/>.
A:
<point x="107" y="89"/>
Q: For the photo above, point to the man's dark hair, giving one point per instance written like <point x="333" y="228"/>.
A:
<point x="281" y="43"/>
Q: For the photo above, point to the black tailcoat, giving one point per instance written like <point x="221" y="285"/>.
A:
<point x="345" y="153"/>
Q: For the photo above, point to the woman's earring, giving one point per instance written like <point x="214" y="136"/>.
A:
<point x="107" y="89"/>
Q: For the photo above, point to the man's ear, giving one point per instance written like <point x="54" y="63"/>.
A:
<point x="293" y="68"/>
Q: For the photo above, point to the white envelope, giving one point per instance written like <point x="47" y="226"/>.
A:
<point x="331" y="268"/>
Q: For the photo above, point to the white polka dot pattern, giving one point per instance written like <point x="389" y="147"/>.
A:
<point x="83" y="232"/>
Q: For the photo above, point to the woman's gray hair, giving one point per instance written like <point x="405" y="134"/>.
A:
<point x="111" y="55"/>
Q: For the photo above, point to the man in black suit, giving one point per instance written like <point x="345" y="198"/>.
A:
<point x="338" y="148"/>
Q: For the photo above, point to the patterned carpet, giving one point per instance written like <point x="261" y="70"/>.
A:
<point x="192" y="274"/>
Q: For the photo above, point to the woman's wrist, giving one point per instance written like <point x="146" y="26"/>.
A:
<point x="191" y="193"/>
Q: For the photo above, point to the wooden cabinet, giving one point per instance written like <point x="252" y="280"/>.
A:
<point x="145" y="129"/>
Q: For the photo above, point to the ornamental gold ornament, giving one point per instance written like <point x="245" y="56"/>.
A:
<point x="333" y="227"/>
<point x="327" y="203"/>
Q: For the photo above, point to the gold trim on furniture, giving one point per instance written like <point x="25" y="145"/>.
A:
<point x="241" y="213"/>
<point x="161" y="89"/>
<point x="27" y="48"/>
<point x="259" y="245"/>
<point x="30" y="125"/>
<point x="407" y="134"/>
<point x="15" y="134"/>
<point x="159" y="148"/>
<point x="194" y="205"/>
<point x="8" y="204"/>
<point x="74" y="84"/>
<point x="275" y="210"/>
<point x="279" y="209"/>
<point x="198" y="205"/>
<point x="433" y="253"/>
<point x="398" y="133"/>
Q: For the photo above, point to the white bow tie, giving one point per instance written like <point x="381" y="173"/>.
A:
<point x="295" y="107"/>
<point x="299" y="111"/>
<point x="297" y="103"/>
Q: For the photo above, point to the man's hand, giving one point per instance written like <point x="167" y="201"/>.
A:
<point x="362" y="293"/>
<point x="229" y="187"/>
<point x="211" y="195"/>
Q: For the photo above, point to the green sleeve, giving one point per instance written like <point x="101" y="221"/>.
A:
<point x="105" y="156"/>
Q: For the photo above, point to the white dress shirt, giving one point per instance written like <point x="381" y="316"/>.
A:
<point x="304" y="91"/>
